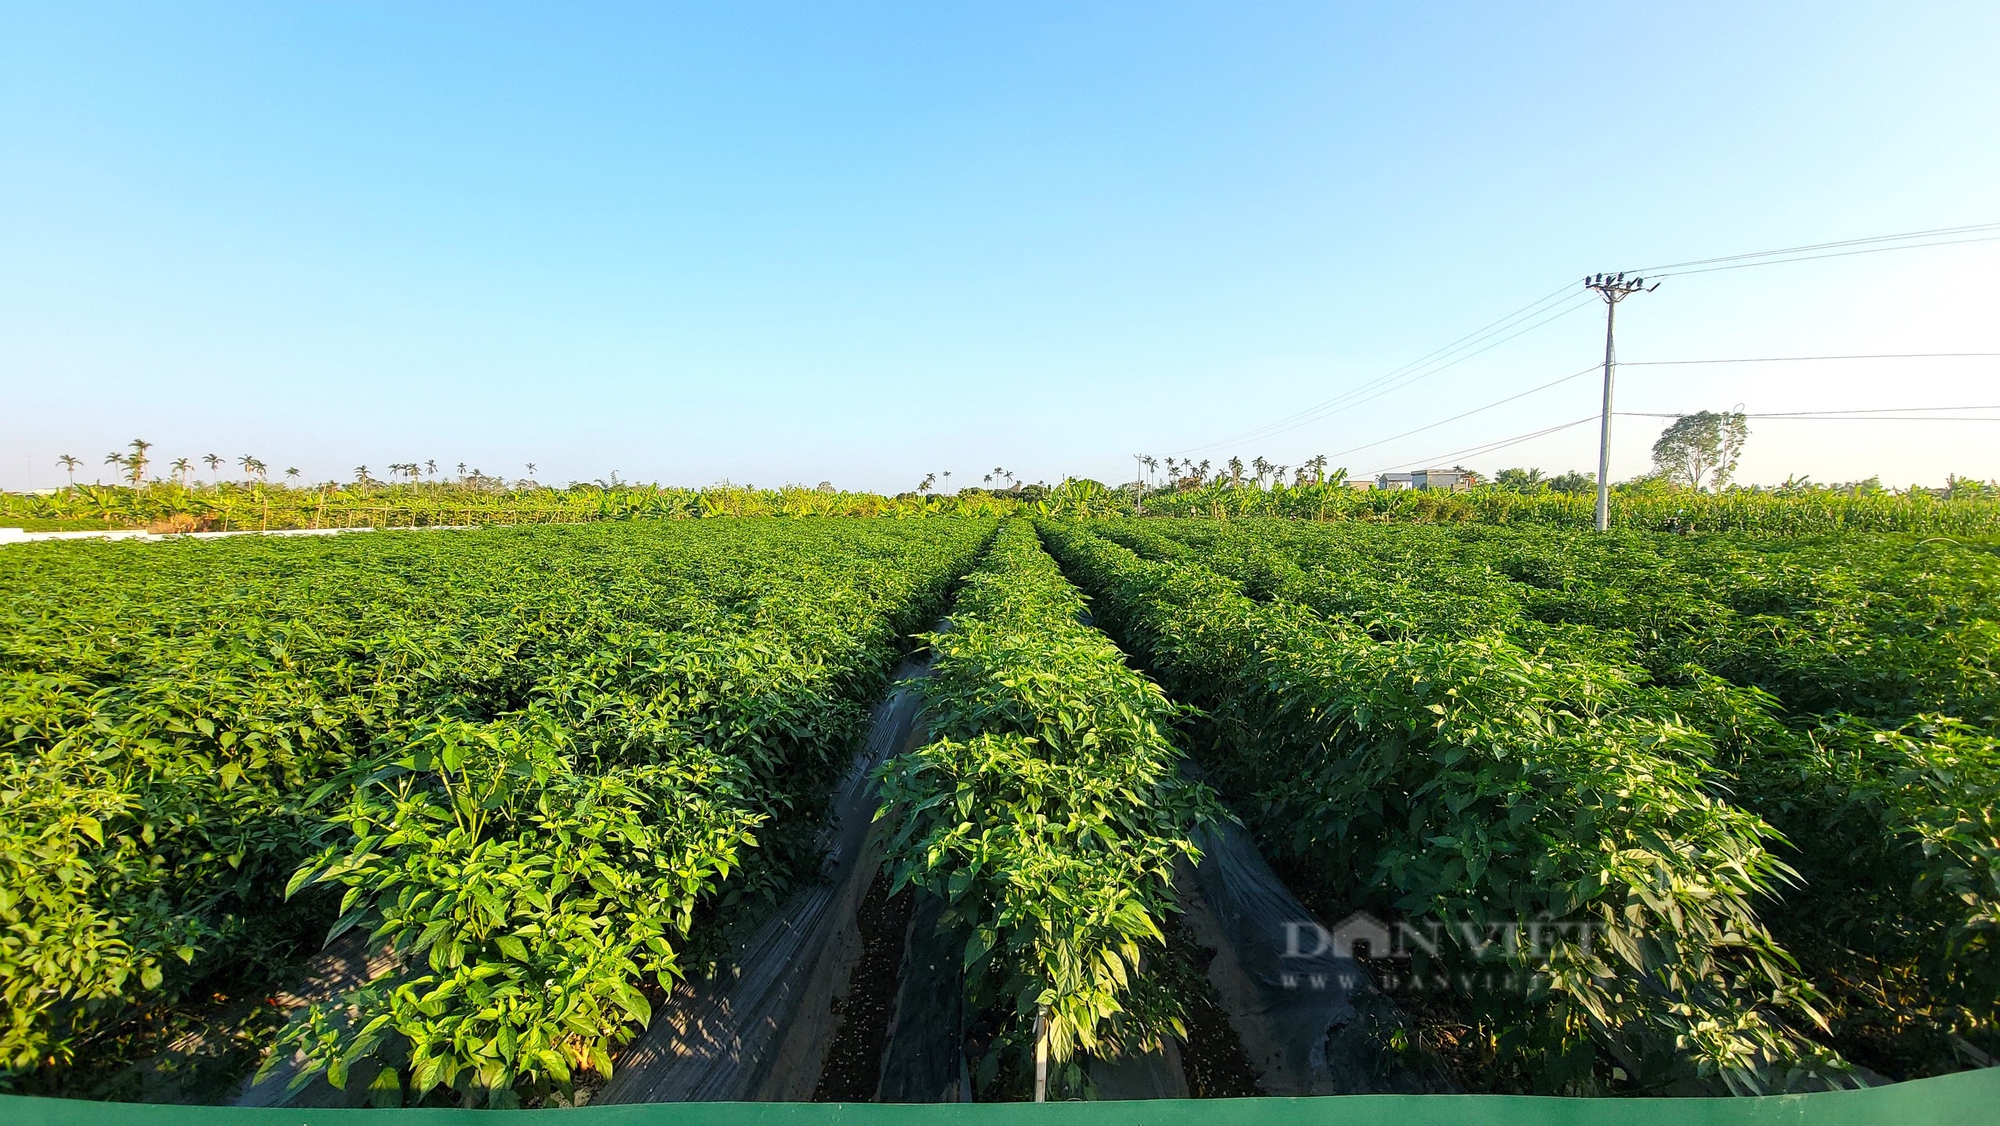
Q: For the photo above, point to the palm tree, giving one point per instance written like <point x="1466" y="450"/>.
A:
<point x="430" y="467"/>
<point x="118" y="459"/>
<point x="69" y="464"/>
<point x="461" y="469"/>
<point x="137" y="460"/>
<point x="246" y="461"/>
<point x="531" y="470"/>
<point x="181" y="468"/>
<point x="924" y="486"/>
<point x="214" y="466"/>
<point x="1261" y="467"/>
<point x="292" y="474"/>
<point x="1235" y="472"/>
<point x="361" y="474"/>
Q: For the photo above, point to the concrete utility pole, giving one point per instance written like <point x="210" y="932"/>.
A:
<point x="1139" y="484"/>
<point x="1613" y="288"/>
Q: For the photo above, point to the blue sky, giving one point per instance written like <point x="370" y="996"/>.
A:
<point x="776" y="243"/>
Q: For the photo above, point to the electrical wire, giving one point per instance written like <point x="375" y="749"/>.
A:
<point x="1881" y="410"/>
<point x="1347" y="399"/>
<point x="1640" y="414"/>
<point x="1413" y="368"/>
<point x="1816" y="257"/>
<point x="1734" y="360"/>
<point x="1796" y="359"/>
<point x="1270" y="433"/>
<point x="1473" y="411"/>
<point x="1843" y="416"/>
<point x="1444" y="358"/>
<point x="1493" y="447"/>
<point x="1969" y="228"/>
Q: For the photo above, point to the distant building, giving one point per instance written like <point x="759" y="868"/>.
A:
<point x="1359" y="485"/>
<point x="1454" y="480"/>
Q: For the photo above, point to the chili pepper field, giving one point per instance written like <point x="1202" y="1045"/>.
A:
<point x="974" y="808"/>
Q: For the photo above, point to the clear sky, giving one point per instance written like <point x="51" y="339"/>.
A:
<point x="795" y="242"/>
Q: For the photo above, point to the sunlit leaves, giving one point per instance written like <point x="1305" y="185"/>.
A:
<point x="1048" y="808"/>
<point x="1417" y="761"/>
<point x="176" y="715"/>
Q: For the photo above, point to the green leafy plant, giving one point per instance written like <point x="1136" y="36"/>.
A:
<point x="1839" y="678"/>
<point x="1049" y="809"/>
<point x="1467" y="779"/>
<point x="526" y="901"/>
<point x="170" y="710"/>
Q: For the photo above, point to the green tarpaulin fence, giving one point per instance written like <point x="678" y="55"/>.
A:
<point x="1949" y="1100"/>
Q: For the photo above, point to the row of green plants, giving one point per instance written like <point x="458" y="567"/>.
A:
<point x="1652" y="509"/>
<point x="1848" y="680"/>
<point x="1879" y="625"/>
<point x="1048" y="807"/>
<point x="551" y="766"/>
<point x="526" y="757"/>
<point x="172" y="506"/>
<point x="1478" y="783"/>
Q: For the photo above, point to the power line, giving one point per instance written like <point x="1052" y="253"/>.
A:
<point x="1492" y="447"/>
<point x="1842" y="416"/>
<point x="1646" y="414"/>
<point x="1881" y="410"/>
<point x="1271" y="433"/>
<point x="1503" y="443"/>
<point x="1341" y="401"/>
<point x="1797" y="359"/>
<point x="1934" y="232"/>
<point x="1861" y="414"/>
<point x="1347" y="399"/>
<point x="1815" y="257"/>
<point x="1446" y="357"/>
<point x="1473" y="411"/>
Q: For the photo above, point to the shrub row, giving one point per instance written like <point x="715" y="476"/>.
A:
<point x="1848" y="683"/>
<point x="1048" y="807"/>
<point x="1476" y="783"/>
<point x="176" y="713"/>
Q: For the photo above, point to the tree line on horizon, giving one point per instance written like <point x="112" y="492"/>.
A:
<point x="1697" y="452"/>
